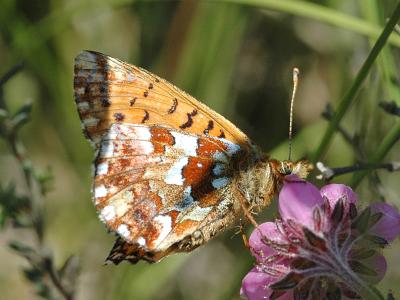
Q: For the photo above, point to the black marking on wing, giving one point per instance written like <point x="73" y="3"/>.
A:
<point x="132" y="102"/>
<point x="173" y="107"/>
<point x="189" y="122"/>
<point x="146" y="116"/>
<point x="119" y="117"/>
<point x="210" y="126"/>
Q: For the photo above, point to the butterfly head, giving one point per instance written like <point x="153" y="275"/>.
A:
<point x="301" y="168"/>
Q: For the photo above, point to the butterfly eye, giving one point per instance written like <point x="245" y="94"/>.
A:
<point x="286" y="167"/>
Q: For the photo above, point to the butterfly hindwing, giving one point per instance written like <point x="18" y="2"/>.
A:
<point x="163" y="190"/>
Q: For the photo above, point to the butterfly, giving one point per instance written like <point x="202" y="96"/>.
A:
<point x="169" y="172"/>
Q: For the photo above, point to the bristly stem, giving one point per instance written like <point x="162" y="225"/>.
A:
<point x="350" y="95"/>
<point x="329" y="173"/>
<point x="42" y="263"/>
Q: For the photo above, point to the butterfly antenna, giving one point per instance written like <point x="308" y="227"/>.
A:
<point x="296" y="74"/>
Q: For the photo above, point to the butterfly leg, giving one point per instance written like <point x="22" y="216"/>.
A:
<point x="244" y="236"/>
<point x="246" y="212"/>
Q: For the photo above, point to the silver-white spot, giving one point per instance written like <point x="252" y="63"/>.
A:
<point x="123" y="230"/>
<point x="141" y="241"/>
<point x="232" y="148"/>
<point x="174" y="175"/>
<point x="90" y="121"/>
<point x="220" y="182"/>
<point x="165" y="224"/>
<point x="107" y="213"/>
<point x="100" y="191"/>
<point x="199" y="165"/>
<point x="102" y="168"/>
<point x="145" y="147"/>
<point x="83" y="105"/>
<point x="142" y="133"/>
<point x="197" y="214"/>
<point x="107" y="149"/>
<point x="185" y="142"/>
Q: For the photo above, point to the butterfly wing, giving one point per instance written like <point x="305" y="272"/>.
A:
<point x="166" y="163"/>
<point x="163" y="190"/>
<point x="108" y="90"/>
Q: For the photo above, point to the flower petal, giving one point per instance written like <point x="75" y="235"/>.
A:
<point x="388" y="226"/>
<point x="257" y="243"/>
<point x="297" y="200"/>
<point x="255" y="286"/>
<point x="379" y="265"/>
<point x="333" y="192"/>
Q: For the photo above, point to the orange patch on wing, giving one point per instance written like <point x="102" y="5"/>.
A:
<point x="184" y="226"/>
<point x="208" y="147"/>
<point x="196" y="170"/>
<point x="210" y="199"/>
<point x="161" y="137"/>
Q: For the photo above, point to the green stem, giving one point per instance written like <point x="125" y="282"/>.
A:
<point x="389" y="140"/>
<point x="350" y="95"/>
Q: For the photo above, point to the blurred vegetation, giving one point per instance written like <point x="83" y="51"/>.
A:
<point x="234" y="55"/>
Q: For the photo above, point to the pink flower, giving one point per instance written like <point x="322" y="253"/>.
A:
<point x="320" y="246"/>
<point x="388" y="226"/>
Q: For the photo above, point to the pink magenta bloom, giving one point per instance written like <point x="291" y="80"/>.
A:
<point x="321" y="247"/>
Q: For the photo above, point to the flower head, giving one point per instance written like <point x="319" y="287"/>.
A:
<point x="321" y="247"/>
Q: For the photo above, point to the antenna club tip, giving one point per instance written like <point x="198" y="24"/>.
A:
<point x="296" y="71"/>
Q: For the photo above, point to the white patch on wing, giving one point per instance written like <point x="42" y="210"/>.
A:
<point x="141" y="241"/>
<point x="123" y="230"/>
<point x="107" y="213"/>
<point x="220" y="182"/>
<point x="107" y="149"/>
<point x="130" y="132"/>
<point x="84" y="106"/>
<point x="232" y="148"/>
<point x="174" y="175"/>
<point x="197" y="214"/>
<point x="147" y="147"/>
<point x="100" y="191"/>
<point x="165" y="225"/>
<point x="142" y="133"/>
<point x="185" y="142"/>
<point x="90" y="121"/>
<point x="102" y="168"/>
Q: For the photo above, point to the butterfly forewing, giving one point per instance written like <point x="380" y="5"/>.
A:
<point x="108" y="90"/>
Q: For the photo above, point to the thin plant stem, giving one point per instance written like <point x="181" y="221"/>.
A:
<point x="350" y="95"/>
<point x="389" y="140"/>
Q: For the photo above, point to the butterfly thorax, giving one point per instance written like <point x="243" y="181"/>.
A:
<point x="260" y="183"/>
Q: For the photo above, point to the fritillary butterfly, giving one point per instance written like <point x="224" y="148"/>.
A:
<point x="170" y="173"/>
